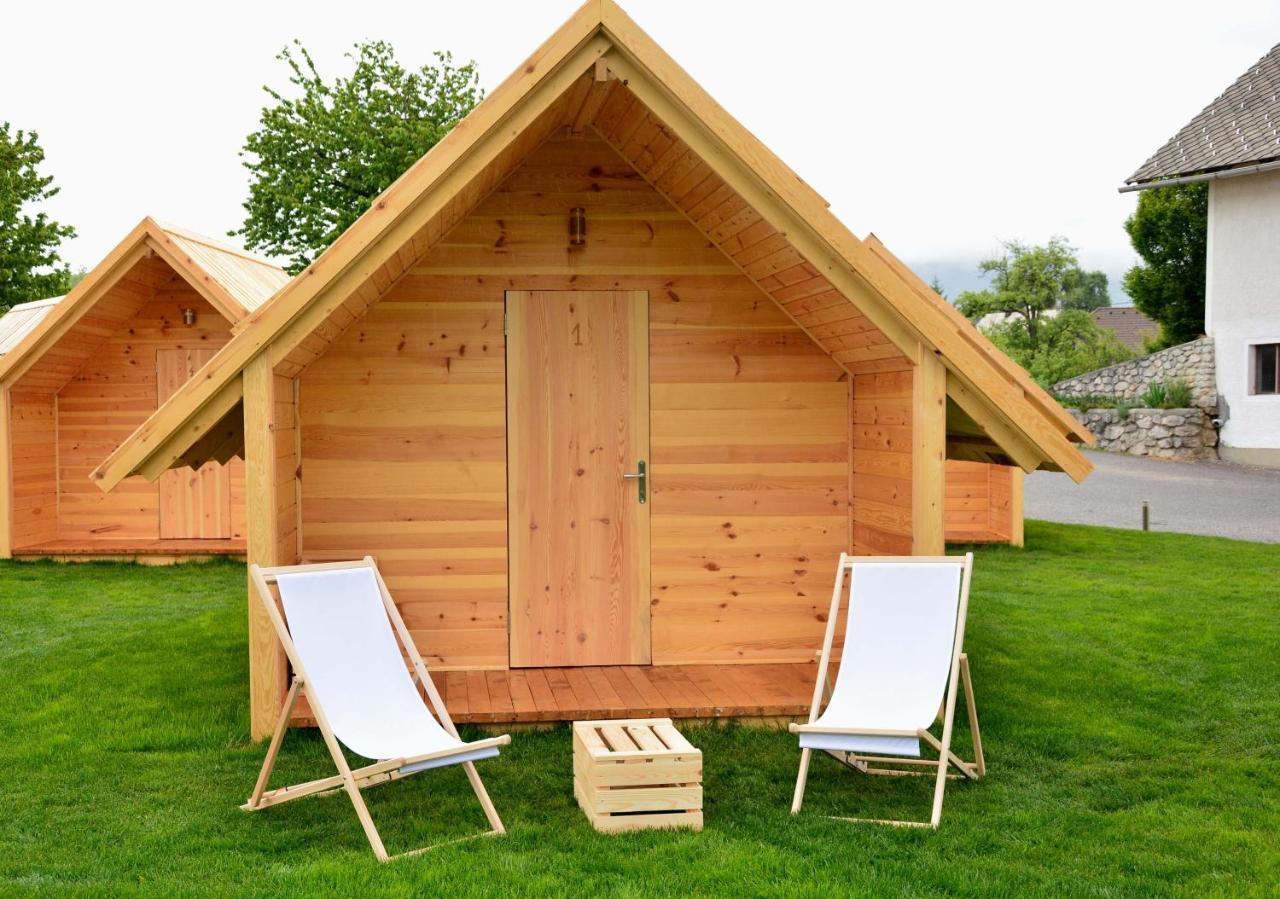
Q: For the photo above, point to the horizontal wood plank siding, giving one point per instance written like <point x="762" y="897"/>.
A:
<point x="403" y="431"/>
<point x="33" y="430"/>
<point x="880" y="426"/>
<point x="111" y="393"/>
<point x="980" y="502"/>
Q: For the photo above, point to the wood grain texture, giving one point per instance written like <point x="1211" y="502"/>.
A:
<point x="194" y="504"/>
<point x="929" y="456"/>
<point x="403" y="424"/>
<point x="577" y="421"/>
<point x="606" y="692"/>
<point x="762" y="252"/>
<point x="983" y="503"/>
<point x="113" y="391"/>
<point x="33" y="436"/>
<point x="6" y="477"/>
<point x="270" y="418"/>
<point x="882" y="426"/>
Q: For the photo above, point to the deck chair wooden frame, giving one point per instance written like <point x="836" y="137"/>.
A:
<point x="352" y="781"/>
<point x="877" y="765"/>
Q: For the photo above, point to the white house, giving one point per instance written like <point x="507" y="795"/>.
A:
<point x="1234" y="144"/>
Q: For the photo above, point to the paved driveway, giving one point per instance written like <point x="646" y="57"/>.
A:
<point x="1211" y="498"/>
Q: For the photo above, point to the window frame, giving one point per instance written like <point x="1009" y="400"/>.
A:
<point x="1256" y="349"/>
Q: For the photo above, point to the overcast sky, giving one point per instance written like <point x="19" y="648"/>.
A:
<point x="941" y="127"/>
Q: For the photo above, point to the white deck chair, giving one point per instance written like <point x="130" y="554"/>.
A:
<point x="337" y="630"/>
<point x="903" y="649"/>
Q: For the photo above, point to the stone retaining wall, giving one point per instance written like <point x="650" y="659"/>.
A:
<point x="1193" y="362"/>
<point x="1185" y="434"/>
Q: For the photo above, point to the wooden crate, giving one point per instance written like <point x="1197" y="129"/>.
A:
<point x="635" y="774"/>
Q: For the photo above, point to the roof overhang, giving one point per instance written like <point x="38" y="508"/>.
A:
<point x="599" y="43"/>
<point x="147" y="240"/>
<point x="1253" y="168"/>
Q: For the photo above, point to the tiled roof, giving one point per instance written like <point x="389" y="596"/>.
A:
<point x="1130" y="325"/>
<point x="1241" y="127"/>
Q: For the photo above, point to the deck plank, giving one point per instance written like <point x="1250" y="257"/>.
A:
<point x="522" y="701"/>
<point x="628" y="691"/>
<point x="543" y="697"/>
<point x="499" y="685"/>
<point x="566" y="702"/>
<point x="478" y="696"/>
<point x="655" y="704"/>
<point x="109" y="547"/>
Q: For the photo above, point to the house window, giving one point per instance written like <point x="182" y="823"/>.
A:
<point x="1266" y="368"/>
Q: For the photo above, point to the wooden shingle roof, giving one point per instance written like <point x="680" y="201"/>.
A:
<point x="1240" y="128"/>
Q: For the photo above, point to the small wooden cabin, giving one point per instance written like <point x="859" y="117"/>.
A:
<point x="605" y="389"/>
<point x="80" y="373"/>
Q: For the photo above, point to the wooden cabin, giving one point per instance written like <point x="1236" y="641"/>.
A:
<point x="80" y="373"/>
<point x="606" y="389"/>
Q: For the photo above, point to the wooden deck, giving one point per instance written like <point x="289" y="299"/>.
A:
<point x="141" y="550"/>
<point x="633" y="691"/>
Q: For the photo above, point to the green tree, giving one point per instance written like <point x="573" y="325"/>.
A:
<point x="1170" y="231"/>
<point x="30" y="268"/>
<point x="1026" y="282"/>
<point x="1043" y="298"/>
<point x="1087" y="291"/>
<point x="1068" y="344"/>
<point x="324" y="153"/>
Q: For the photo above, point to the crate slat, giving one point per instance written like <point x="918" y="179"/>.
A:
<point x="631" y="775"/>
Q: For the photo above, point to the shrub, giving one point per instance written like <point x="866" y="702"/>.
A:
<point x="1178" y="393"/>
<point x="1089" y="401"/>
<point x="1171" y="393"/>
<point x="1155" y="396"/>
<point x="1066" y="345"/>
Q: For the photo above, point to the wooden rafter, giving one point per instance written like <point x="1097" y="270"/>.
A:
<point x="853" y="298"/>
<point x="308" y="302"/>
<point x="146" y="260"/>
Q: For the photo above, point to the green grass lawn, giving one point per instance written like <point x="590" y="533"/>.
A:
<point x="1129" y="687"/>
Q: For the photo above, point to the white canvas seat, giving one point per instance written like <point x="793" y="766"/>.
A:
<point x="339" y="629"/>
<point x="902" y="661"/>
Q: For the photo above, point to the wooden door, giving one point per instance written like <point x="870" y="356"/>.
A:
<point x="577" y="422"/>
<point x="194" y="505"/>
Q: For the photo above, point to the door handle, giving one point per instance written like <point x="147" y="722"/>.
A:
<point x="641" y="477"/>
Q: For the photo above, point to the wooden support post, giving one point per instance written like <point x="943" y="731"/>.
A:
<point x="267" y="666"/>
<point x="928" y="455"/>
<point x="1016" y="476"/>
<point x="6" y="477"/>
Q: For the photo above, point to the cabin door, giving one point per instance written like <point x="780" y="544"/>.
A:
<point x="194" y="505"/>
<point x="577" y="434"/>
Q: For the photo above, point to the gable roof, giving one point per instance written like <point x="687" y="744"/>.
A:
<point x="234" y="282"/>
<point x="818" y="271"/>
<point x="21" y="320"/>
<point x="247" y="279"/>
<point x="1241" y="128"/>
